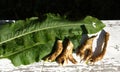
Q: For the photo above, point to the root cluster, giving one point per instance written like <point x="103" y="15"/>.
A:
<point x="63" y="51"/>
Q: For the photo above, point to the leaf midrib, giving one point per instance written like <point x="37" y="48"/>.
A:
<point x="37" y="31"/>
<point x="21" y="50"/>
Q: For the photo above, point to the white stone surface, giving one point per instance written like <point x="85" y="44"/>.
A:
<point x="110" y="62"/>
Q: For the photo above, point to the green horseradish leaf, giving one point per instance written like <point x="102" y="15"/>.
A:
<point x="28" y="41"/>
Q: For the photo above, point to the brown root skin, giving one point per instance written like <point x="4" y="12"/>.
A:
<point x="85" y="50"/>
<point x="66" y="54"/>
<point x="93" y="59"/>
<point x="57" y="52"/>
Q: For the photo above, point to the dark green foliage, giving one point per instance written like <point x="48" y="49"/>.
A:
<point x="28" y="41"/>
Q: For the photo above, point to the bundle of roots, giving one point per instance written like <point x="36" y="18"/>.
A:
<point x="63" y="51"/>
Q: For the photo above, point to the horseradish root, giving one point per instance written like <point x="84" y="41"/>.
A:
<point x="62" y="53"/>
<point x="100" y="56"/>
<point x="85" y="49"/>
<point x="66" y="54"/>
<point x="57" y="51"/>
